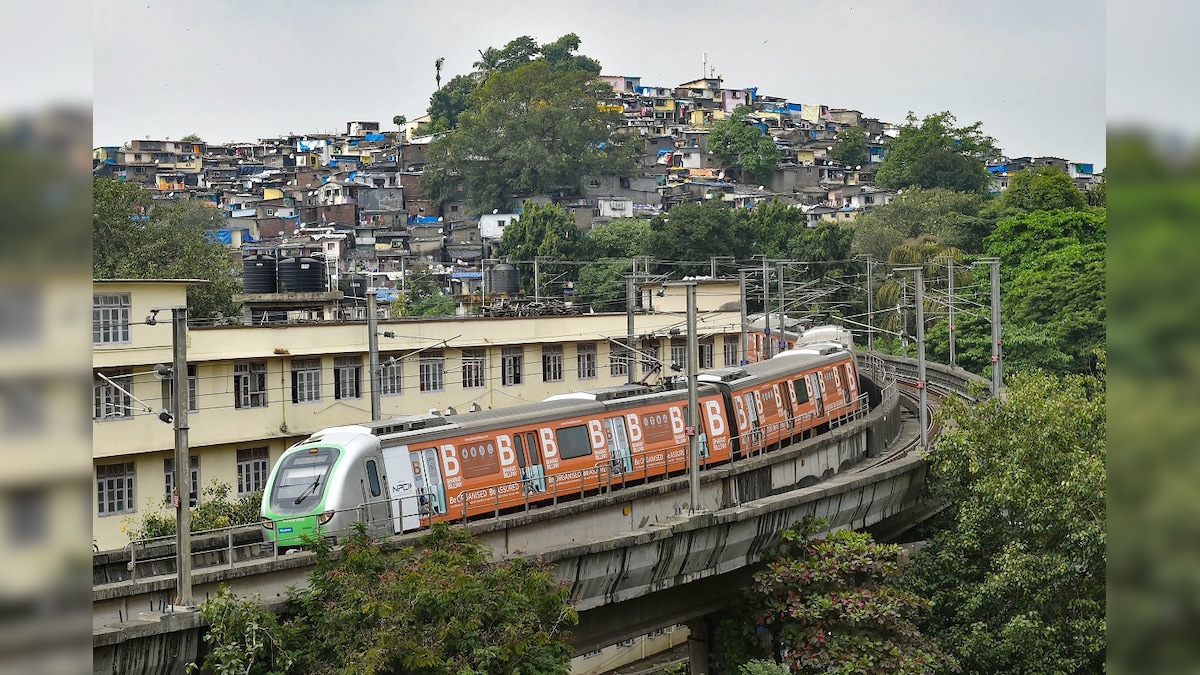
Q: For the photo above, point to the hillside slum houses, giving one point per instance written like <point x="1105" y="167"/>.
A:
<point x="354" y="198"/>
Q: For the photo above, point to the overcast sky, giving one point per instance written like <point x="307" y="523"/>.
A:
<point x="1033" y="72"/>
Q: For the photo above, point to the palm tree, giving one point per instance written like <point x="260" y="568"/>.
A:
<point x="438" y="64"/>
<point x="489" y="60"/>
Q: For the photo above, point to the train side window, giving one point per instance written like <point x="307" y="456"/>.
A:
<point x="373" y="478"/>
<point x="535" y="456"/>
<point x="573" y="442"/>
<point x="801" y="391"/>
<point x="519" y="448"/>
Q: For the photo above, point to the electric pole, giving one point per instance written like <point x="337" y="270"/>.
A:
<point x="782" y="328"/>
<point x="950" y="292"/>
<point x="693" y="416"/>
<point x="183" y="482"/>
<point x="997" y="367"/>
<point x="630" y="361"/>
<point x="537" y="278"/>
<point x="373" y="350"/>
<point x="870" y="307"/>
<point x="744" y="358"/>
<point x="923" y="396"/>
<point x="766" y="308"/>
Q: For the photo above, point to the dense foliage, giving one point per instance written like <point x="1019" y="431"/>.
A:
<point x="443" y="608"/>
<point x="1017" y="574"/>
<point x="532" y="123"/>
<point x="830" y="605"/>
<point x="214" y="510"/>
<point x="743" y="146"/>
<point x="932" y="153"/>
<point x="134" y="238"/>
<point x="851" y="148"/>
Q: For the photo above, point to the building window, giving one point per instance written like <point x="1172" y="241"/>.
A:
<point x="679" y="355"/>
<point x="586" y="361"/>
<point x="705" y="352"/>
<point x="28" y="516"/>
<point x="474" y="363"/>
<point x="252" y="467"/>
<point x="110" y="318"/>
<point x="650" y="363"/>
<point x="347" y="377"/>
<point x="595" y="182"/>
<point x="111" y="397"/>
<point x="114" y="488"/>
<point x="618" y="361"/>
<point x="168" y="391"/>
<point x="432" y="371"/>
<point x="511" y="359"/>
<point x="193" y="478"/>
<point x="250" y="385"/>
<point x="306" y="380"/>
<point x="730" y="349"/>
<point x="552" y="363"/>
<point x="391" y="382"/>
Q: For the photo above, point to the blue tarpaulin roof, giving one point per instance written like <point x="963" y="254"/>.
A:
<point x="422" y="219"/>
<point x="374" y="137"/>
<point x="466" y="275"/>
<point x="386" y="294"/>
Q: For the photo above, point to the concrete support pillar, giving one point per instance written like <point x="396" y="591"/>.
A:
<point x="698" y="631"/>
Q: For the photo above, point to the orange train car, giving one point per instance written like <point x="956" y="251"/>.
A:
<point x="493" y="461"/>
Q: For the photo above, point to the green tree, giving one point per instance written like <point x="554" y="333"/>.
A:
<point x="696" y="232"/>
<point x="832" y="606"/>
<point x="1016" y="571"/>
<point x="134" y="239"/>
<point x="741" y="145"/>
<point x="609" y="247"/>
<point x="851" y="148"/>
<point x="192" y="138"/>
<point x="424" y="296"/>
<point x="952" y="217"/>
<point x="531" y="130"/>
<point x="1017" y="240"/>
<point x="400" y="121"/>
<point x="542" y="230"/>
<point x="1044" y="189"/>
<point x="214" y="510"/>
<point x="443" y="608"/>
<point x="447" y="103"/>
<point x="437" y="64"/>
<point x="934" y="153"/>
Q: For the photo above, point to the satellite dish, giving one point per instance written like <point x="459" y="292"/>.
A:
<point x="495" y="211"/>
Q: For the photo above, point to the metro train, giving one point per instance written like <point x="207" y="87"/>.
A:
<point x="404" y="473"/>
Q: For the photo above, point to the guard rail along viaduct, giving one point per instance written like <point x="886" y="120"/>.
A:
<point x="636" y="559"/>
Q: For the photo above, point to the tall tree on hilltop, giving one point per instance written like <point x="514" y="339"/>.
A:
<point x="438" y="65"/>
<point x="533" y="126"/>
<point x="741" y="145"/>
<point x="933" y="153"/>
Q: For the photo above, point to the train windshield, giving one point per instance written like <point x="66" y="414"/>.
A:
<point x="301" y="479"/>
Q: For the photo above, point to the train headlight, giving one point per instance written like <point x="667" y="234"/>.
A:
<point x="267" y="523"/>
<point x="325" y="517"/>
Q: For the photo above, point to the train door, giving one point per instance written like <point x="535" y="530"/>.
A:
<point x="427" y="479"/>
<point x="535" y="471"/>
<point x="753" y="416"/>
<point x="701" y="431"/>
<point x="618" y="445"/>
<point x="788" y="404"/>
<point x="849" y="384"/>
<point x="378" y="508"/>
<point x="402" y="489"/>
<point x="814" y="380"/>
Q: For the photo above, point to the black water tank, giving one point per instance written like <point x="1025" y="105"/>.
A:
<point x="503" y="279"/>
<point x="353" y="286"/>
<point x="258" y="274"/>
<point x="301" y="275"/>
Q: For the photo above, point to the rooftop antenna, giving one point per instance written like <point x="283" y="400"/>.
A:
<point x="704" y="68"/>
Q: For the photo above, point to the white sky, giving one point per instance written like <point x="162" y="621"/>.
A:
<point x="1033" y="72"/>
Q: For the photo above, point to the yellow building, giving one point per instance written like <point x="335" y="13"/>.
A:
<point x="255" y="390"/>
